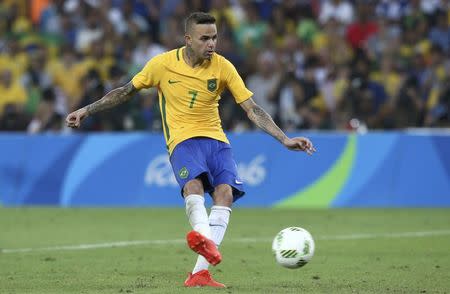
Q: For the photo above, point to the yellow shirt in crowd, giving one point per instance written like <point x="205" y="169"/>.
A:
<point x="15" y="94"/>
<point x="17" y="63"/>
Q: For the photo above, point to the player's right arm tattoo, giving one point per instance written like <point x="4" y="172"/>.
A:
<point x="265" y="122"/>
<point x="113" y="98"/>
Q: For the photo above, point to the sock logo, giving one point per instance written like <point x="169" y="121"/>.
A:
<point x="183" y="173"/>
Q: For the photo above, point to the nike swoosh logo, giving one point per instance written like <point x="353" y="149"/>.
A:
<point x="173" y="82"/>
<point x="238" y="182"/>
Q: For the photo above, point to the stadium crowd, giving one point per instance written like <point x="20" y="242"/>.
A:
<point x="318" y="64"/>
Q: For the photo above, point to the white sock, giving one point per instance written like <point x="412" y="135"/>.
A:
<point x="197" y="215"/>
<point x="218" y="221"/>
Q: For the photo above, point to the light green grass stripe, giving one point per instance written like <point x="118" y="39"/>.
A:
<point x="118" y="244"/>
<point x="323" y="191"/>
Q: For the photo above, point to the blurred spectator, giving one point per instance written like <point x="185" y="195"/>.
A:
<point x="46" y="118"/>
<point x="439" y="113"/>
<point x="292" y="100"/>
<point x="94" y="89"/>
<point x="410" y="104"/>
<point x="13" y="57"/>
<point x="431" y="6"/>
<point x="126" y="62"/>
<point x="11" y="91"/>
<point x="36" y="72"/>
<point x="387" y="76"/>
<point x="264" y="82"/>
<point x="291" y="55"/>
<point x="51" y="17"/>
<point x="172" y="27"/>
<point x="118" y="118"/>
<point x="91" y="32"/>
<point x="100" y="56"/>
<point x="330" y="45"/>
<point x="227" y="14"/>
<point x="13" y="118"/>
<point x="68" y="32"/>
<point x="308" y="79"/>
<point x="126" y="20"/>
<point x="146" y="116"/>
<point x="226" y="48"/>
<point x="363" y="28"/>
<point x="68" y="65"/>
<point x="392" y="9"/>
<point x="36" y="9"/>
<point x="294" y="10"/>
<point x="387" y="40"/>
<point x="440" y="34"/>
<point x="340" y="10"/>
<point x="146" y="49"/>
<point x="280" y="26"/>
<point x="250" y="33"/>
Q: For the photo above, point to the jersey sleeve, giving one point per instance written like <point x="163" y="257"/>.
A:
<point x="150" y="75"/>
<point x="235" y="83"/>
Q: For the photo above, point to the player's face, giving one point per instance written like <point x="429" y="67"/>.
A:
<point x="203" y="40"/>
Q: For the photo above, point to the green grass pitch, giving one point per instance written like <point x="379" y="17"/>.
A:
<point x="55" y="250"/>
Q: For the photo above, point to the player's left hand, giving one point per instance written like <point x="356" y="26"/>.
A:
<point x="300" y="144"/>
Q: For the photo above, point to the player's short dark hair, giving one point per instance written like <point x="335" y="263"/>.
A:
<point x="198" y="18"/>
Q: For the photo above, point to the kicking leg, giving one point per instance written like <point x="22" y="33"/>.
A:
<point x="199" y="240"/>
<point x="195" y="207"/>
<point x="218" y="220"/>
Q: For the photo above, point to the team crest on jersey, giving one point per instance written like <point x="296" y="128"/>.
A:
<point x="183" y="173"/>
<point x="212" y="84"/>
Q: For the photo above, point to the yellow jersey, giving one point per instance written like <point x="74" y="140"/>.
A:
<point x="189" y="97"/>
<point x="15" y="94"/>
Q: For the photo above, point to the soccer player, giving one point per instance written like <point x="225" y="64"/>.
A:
<point x="189" y="81"/>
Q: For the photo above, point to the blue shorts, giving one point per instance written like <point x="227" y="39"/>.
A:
<point x="209" y="160"/>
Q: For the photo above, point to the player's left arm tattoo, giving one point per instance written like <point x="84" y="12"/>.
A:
<point x="263" y="120"/>
<point x="113" y="98"/>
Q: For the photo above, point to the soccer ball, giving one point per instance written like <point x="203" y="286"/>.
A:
<point x="293" y="247"/>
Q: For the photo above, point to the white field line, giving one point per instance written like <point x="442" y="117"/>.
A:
<point x="235" y="240"/>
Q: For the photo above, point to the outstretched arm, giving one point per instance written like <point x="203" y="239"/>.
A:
<point x="113" y="98"/>
<point x="265" y="122"/>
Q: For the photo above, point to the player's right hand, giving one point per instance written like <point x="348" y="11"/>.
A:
<point x="300" y="144"/>
<point x="74" y="119"/>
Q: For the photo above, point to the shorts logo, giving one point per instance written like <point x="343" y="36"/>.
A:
<point x="212" y="84"/>
<point x="183" y="173"/>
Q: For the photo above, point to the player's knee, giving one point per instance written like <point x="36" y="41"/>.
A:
<point x="194" y="186"/>
<point x="223" y="195"/>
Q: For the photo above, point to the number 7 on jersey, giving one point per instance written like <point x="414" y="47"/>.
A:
<point x="194" y="96"/>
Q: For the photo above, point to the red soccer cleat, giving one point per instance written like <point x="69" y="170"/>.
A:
<point x="204" y="246"/>
<point x="201" y="279"/>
